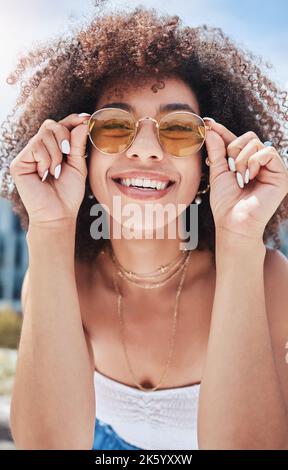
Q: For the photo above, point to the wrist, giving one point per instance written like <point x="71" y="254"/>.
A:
<point x="232" y="243"/>
<point x="67" y="226"/>
<point x="51" y="239"/>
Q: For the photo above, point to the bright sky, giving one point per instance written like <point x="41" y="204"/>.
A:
<point x="259" y="25"/>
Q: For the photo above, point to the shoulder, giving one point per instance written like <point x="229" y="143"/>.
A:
<point x="276" y="288"/>
<point x="276" y="297"/>
<point x="275" y="258"/>
<point x="275" y="274"/>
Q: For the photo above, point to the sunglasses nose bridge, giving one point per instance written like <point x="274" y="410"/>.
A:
<point x="146" y="118"/>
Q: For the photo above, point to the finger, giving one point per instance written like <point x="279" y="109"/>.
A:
<point x="238" y="144"/>
<point x="40" y="155"/>
<point x="241" y="161"/>
<point x="225" y="133"/>
<point x="78" y="140"/>
<point x="216" y="154"/>
<point x="61" y="133"/>
<point x="268" y="157"/>
<point x="74" y="120"/>
<point x="53" y="148"/>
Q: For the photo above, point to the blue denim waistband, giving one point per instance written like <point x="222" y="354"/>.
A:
<point x="105" y="438"/>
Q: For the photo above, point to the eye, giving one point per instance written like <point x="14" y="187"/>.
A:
<point x="116" y="125"/>
<point x="177" y="127"/>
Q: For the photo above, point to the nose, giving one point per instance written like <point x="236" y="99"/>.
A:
<point x="145" y="145"/>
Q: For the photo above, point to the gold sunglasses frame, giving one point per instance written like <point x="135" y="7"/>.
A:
<point x="137" y="121"/>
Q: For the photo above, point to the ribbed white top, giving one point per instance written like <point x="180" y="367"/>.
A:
<point x="154" y="420"/>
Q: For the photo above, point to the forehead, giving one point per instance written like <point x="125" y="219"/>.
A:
<point x="148" y="97"/>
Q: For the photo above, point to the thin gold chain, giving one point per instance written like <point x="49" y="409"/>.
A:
<point x="157" y="272"/>
<point x="173" y="335"/>
<point x="152" y="285"/>
<point x="177" y="265"/>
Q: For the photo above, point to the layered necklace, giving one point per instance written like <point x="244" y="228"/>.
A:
<point x="180" y="263"/>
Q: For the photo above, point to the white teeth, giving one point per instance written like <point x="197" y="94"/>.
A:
<point x="144" y="182"/>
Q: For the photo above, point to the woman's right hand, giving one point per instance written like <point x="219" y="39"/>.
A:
<point x="54" y="201"/>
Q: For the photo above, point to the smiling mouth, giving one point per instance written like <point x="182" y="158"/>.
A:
<point x="143" y="185"/>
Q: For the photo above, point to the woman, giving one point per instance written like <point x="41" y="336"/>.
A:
<point x="135" y="350"/>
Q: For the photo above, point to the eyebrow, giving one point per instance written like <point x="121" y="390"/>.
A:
<point x="162" y="108"/>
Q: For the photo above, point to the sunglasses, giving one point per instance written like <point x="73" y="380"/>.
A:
<point x="113" y="130"/>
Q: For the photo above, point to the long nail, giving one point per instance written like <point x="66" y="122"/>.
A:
<point x="44" y="176"/>
<point x="210" y="119"/>
<point x="83" y="114"/>
<point x="65" y="146"/>
<point x="247" y="176"/>
<point x="239" y="180"/>
<point x="231" y="164"/>
<point x="57" y="171"/>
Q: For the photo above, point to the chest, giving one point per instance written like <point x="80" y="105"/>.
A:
<point x="147" y="331"/>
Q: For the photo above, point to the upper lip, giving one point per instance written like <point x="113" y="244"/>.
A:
<point x="151" y="175"/>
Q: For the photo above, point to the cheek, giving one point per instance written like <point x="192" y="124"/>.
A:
<point x="97" y="177"/>
<point x="190" y="180"/>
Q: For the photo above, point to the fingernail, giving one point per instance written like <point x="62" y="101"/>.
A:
<point x="57" y="171"/>
<point x="44" y="176"/>
<point x="231" y="164"/>
<point x="211" y="119"/>
<point x="65" y="146"/>
<point x="83" y="114"/>
<point x="240" y="179"/>
<point x="247" y="176"/>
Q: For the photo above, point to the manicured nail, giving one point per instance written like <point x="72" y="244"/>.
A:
<point x="231" y="164"/>
<point x="57" y="171"/>
<point x="210" y="119"/>
<point x="240" y="179"/>
<point x="83" y="114"/>
<point x="44" y="176"/>
<point x="65" y="146"/>
<point x="247" y="176"/>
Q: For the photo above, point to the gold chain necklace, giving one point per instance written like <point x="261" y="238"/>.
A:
<point x="177" y="264"/>
<point x="152" y="285"/>
<point x="156" y="272"/>
<point x="172" y="342"/>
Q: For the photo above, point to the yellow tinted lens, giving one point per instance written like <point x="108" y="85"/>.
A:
<point x="111" y="130"/>
<point x="182" y="134"/>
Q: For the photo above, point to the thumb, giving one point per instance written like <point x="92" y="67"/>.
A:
<point x="78" y="141"/>
<point x="216" y="151"/>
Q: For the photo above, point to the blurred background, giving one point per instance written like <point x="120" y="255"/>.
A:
<point x="258" y="25"/>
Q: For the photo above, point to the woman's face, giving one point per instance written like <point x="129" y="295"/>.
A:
<point x="145" y="157"/>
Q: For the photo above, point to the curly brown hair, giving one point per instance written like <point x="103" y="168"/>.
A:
<point x="228" y="80"/>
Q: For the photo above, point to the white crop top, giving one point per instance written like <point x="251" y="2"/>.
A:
<point x="154" y="420"/>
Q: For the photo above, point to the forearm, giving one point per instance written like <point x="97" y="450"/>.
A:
<point x="241" y="405"/>
<point x="53" y="395"/>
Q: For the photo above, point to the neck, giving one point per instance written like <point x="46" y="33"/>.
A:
<point x="145" y="255"/>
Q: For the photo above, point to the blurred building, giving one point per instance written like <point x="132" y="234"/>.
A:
<point x="13" y="256"/>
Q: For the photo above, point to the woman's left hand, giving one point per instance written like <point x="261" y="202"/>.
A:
<point x="243" y="211"/>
